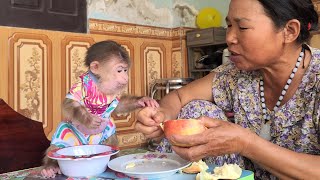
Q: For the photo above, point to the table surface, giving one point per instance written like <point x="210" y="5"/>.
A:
<point x="34" y="173"/>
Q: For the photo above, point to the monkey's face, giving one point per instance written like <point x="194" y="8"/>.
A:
<point x="113" y="76"/>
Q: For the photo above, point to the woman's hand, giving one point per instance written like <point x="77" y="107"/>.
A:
<point x="148" y="123"/>
<point x="220" y="138"/>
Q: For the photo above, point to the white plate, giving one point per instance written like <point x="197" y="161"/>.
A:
<point x="149" y="165"/>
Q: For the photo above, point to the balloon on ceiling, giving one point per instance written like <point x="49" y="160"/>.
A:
<point x="208" y="17"/>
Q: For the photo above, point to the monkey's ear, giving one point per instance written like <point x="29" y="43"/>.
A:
<point x="94" y="66"/>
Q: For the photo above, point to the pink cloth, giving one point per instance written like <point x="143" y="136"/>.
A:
<point x="87" y="94"/>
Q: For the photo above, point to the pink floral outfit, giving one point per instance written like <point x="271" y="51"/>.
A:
<point x="87" y="94"/>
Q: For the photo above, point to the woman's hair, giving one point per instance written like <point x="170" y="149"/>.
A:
<point x="281" y="11"/>
<point x="104" y="50"/>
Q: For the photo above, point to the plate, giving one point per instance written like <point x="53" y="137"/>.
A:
<point x="148" y="165"/>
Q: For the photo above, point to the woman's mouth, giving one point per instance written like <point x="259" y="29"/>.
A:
<point x="234" y="57"/>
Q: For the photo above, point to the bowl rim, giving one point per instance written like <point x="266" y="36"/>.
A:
<point x="53" y="154"/>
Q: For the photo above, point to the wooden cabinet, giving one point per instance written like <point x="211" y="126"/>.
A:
<point x="316" y="4"/>
<point x="205" y="48"/>
<point x="208" y="36"/>
<point x="315" y="36"/>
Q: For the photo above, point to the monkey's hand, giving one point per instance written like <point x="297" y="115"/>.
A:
<point x="51" y="167"/>
<point x="50" y="171"/>
<point x="147" y="102"/>
<point x="90" y="121"/>
<point x="94" y="122"/>
<point x="75" y="112"/>
<point x="94" y="125"/>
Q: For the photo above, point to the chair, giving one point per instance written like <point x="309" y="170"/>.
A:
<point x="22" y="140"/>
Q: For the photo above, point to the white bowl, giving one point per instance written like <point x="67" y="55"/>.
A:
<point x="84" y="160"/>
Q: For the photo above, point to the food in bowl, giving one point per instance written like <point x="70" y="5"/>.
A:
<point x="83" y="160"/>
<point x="182" y="127"/>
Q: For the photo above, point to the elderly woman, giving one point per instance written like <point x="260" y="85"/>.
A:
<point x="272" y="85"/>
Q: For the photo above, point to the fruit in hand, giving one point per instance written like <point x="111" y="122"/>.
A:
<point x="182" y="127"/>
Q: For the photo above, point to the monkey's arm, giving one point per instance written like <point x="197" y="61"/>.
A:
<point x="73" y="111"/>
<point x="112" y="141"/>
<point x="130" y="103"/>
<point x="47" y="162"/>
<point x="127" y="103"/>
<point x="50" y="166"/>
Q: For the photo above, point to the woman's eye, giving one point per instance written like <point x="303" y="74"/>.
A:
<point x="119" y="71"/>
<point x="242" y="28"/>
<point x="126" y="70"/>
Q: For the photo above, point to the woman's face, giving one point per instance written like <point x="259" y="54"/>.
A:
<point x="252" y="38"/>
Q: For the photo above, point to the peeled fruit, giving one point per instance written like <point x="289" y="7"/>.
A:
<point x="182" y="127"/>
<point x="196" y="167"/>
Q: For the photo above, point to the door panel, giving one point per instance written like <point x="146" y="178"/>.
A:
<point x="62" y="15"/>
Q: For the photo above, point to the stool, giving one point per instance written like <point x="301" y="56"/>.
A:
<point x="168" y="84"/>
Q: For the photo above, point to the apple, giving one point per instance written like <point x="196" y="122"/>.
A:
<point x="182" y="127"/>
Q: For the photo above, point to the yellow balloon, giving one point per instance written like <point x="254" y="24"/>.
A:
<point x="208" y="17"/>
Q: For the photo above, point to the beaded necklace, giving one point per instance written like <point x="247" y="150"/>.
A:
<point x="265" y="129"/>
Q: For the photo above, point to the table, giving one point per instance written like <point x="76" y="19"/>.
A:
<point x="34" y="174"/>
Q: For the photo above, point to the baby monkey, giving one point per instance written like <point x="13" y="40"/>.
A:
<point x="87" y="107"/>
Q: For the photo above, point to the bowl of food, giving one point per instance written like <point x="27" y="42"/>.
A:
<point x="83" y="160"/>
<point x="182" y="127"/>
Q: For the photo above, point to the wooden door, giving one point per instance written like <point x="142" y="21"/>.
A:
<point x="61" y="15"/>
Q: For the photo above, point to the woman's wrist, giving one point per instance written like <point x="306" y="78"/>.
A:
<point x="247" y="141"/>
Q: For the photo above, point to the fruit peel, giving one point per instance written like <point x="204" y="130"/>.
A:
<point x="182" y="127"/>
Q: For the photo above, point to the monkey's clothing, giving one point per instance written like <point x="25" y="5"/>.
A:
<point x="87" y="94"/>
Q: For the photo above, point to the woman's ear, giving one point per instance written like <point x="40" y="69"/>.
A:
<point x="291" y="31"/>
<point x="94" y="67"/>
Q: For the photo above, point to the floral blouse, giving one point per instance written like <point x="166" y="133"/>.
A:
<point x="295" y="124"/>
